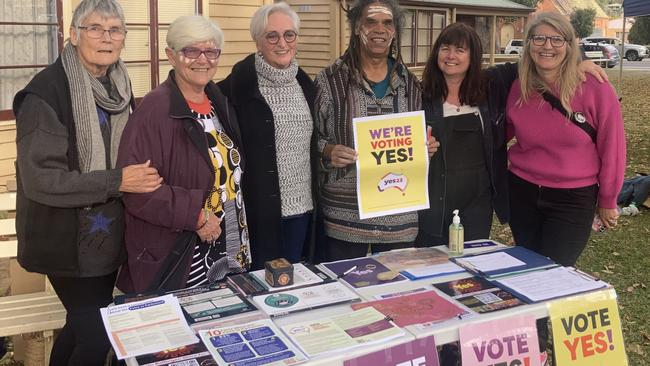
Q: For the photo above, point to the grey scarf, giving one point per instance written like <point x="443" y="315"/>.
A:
<point x="86" y="93"/>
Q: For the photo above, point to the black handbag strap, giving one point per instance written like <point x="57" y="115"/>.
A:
<point x="173" y="268"/>
<point x="577" y="118"/>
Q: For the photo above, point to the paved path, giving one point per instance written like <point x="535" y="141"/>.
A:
<point x="643" y="65"/>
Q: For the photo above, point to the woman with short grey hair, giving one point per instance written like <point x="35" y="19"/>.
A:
<point x="105" y="9"/>
<point x="188" y="129"/>
<point x="193" y="29"/>
<point x="260" y="18"/>
<point x="69" y="217"/>
<point x="274" y="100"/>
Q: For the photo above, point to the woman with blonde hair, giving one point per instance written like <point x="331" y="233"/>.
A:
<point x="569" y="156"/>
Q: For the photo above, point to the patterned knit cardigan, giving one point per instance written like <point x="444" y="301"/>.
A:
<point x="341" y="81"/>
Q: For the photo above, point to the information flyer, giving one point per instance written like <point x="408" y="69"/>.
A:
<point x="587" y="330"/>
<point x="191" y="355"/>
<point x="479" y="294"/>
<point x="146" y="326"/>
<point x="392" y="165"/>
<point x="285" y="302"/>
<point x="253" y="344"/>
<point x="418" y="308"/>
<point x="342" y="332"/>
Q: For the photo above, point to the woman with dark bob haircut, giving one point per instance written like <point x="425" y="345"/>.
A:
<point x="465" y="105"/>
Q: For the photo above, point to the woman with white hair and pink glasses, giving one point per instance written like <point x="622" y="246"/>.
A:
<point x="192" y="230"/>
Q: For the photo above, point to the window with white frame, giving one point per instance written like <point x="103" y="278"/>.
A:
<point x="421" y="28"/>
<point x="144" y="51"/>
<point x="31" y="35"/>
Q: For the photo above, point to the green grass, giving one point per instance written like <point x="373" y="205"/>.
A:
<point x="621" y="256"/>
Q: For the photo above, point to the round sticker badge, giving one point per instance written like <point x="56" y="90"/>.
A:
<point x="281" y="300"/>
<point x="283" y="279"/>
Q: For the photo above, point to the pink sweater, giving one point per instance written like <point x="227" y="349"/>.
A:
<point x="551" y="151"/>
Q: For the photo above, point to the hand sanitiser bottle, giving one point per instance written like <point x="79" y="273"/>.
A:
<point x="456" y="236"/>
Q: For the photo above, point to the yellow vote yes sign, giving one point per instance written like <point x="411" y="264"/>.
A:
<point x="392" y="165"/>
<point x="587" y="330"/>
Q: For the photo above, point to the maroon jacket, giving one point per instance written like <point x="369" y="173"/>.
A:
<point x="162" y="130"/>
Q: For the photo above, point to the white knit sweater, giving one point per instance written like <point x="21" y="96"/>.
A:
<point x="293" y="131"/>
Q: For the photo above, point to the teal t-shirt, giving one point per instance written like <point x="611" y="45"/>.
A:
<point x="380" y="88"/>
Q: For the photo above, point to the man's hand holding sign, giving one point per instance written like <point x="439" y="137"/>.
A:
<point x="392" y="159"/>
<point x="341" y="156"/>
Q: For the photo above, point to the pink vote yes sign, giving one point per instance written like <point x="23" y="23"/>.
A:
<point x="419" y="352"/>
<point x="503" y="342"/>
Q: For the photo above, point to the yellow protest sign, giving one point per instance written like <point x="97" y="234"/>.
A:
<point x="392" y="165"/>
<point x="587" y="330"/>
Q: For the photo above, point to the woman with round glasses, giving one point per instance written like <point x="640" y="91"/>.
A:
<point x="560" y="174"/>
<point x="70" y="220"/>
<point x="191" y="231"/>
<point x="274" y="101"/>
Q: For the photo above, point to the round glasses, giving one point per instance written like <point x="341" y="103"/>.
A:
<point x="97" y="32"/>
<point x="194" y="53"/>
<point x="556" y="41"/>
<point x="274" y="37"/>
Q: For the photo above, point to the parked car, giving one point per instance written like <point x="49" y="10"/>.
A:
<point x="603" y="54"/>
<point x="633" y="52"/>
<point x="514" y="47"/>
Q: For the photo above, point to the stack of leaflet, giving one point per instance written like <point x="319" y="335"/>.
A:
<point x="204" y="306"/>
<point x="143" y="327"/>
<point x="254" y="343"/>
<point x="218" y="303"/>
<point x="479" y="294"/>
<point x="480" y="245"/>
<point x="550" y="284"/>
<point x="400" y="259"/>
<point x="343" y="332"/>
<point x="246" y="283"/>
<point x="416" y="308"/>
<point x="311" y="289"/>
<point x="363" y="272"/>
<point x="527" y="275"/>
<point x="434" y="270"/>
<point x="254" y="283"/>
<point x="302" y="276"/>
<point x="193" y="354"/>
<point x="504" y="262"/>
<point x="304" y="298"/>
<point x="418" y="263"/>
